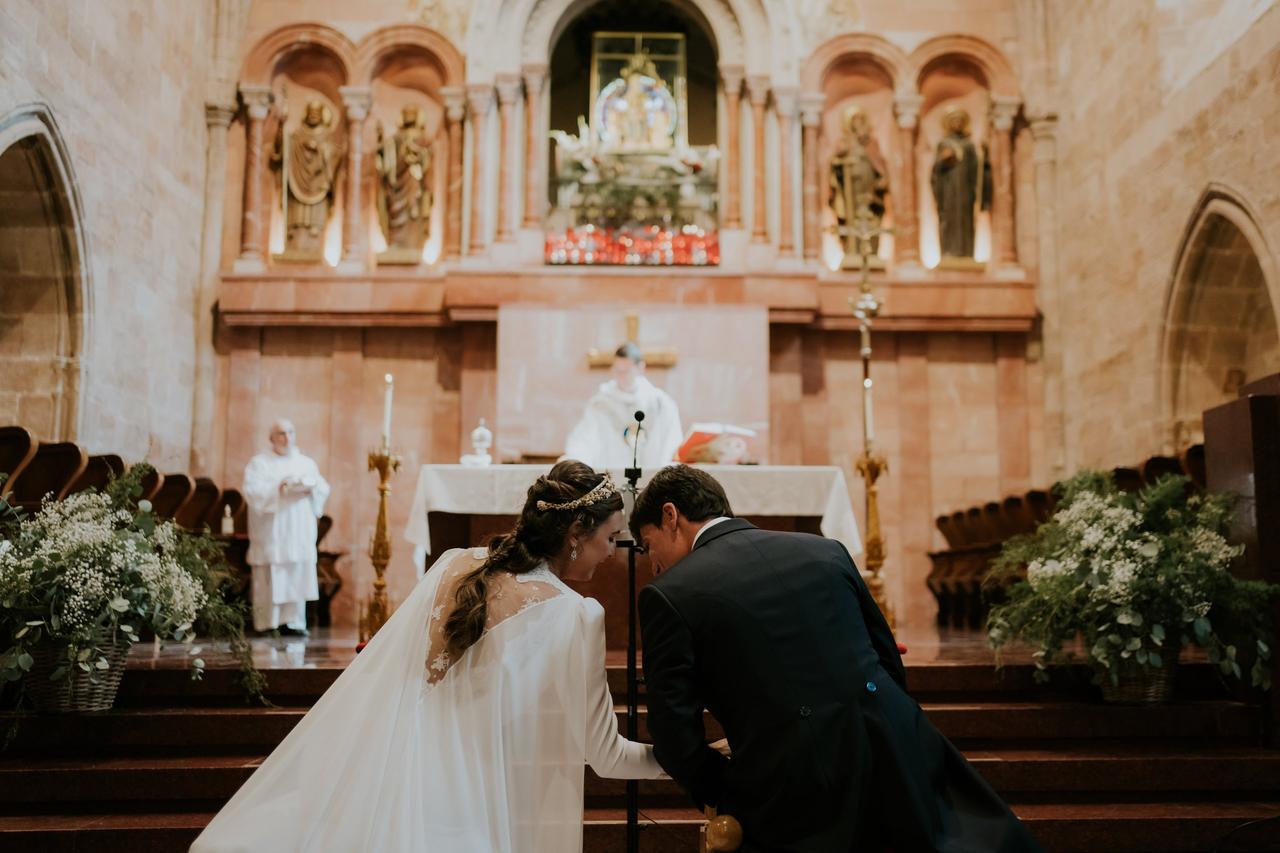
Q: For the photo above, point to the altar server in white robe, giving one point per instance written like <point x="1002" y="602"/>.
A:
<point x="605" y="437"/>
<point x="285" y="494"/>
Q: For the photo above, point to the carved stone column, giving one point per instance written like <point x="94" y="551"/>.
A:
<point x="356" y="100"/>
<point x="731" y="75"/>
<point x="455" y="109"/>
<point x="534" y="78"/>
<point x="906" y="226"/>
<point x="784" y="103"/>
<point x="1044" y="132"/>
<point x="1004" y="250"/>
<point x="811" y="104"/>
<point x="479" y="97"/>
<point x="508" y="91"/>
<point x="257" y="101"/>
<point x="217" y="119"/>
<point x="758" y="93"/>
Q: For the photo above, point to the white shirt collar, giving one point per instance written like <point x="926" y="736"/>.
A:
<point x="710" y="524"/>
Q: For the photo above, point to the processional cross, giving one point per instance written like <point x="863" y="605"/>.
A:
<point x="866" y="307"/>
<point x="653" y="356"/>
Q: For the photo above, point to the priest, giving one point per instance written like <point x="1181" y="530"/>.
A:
<point x="285" y="494"/>
<point x="605" y="437"/>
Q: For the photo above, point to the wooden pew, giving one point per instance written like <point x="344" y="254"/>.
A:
<point x="193" y="512"/>
<point x="52" y="470"/>
<point x="174" y="492"/>
<point x="98" y="472"/>
<point x="1157" y="466"/>
<point x="17" y="449"/>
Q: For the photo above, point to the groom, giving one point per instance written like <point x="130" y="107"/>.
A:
<point x="777" y="635"/>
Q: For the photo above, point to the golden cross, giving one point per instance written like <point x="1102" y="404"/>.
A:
<point x="653" y="356"/>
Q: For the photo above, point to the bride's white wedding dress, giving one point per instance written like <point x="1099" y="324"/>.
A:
<point x="412" y="751"/>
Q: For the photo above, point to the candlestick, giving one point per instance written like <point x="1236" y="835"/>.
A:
<point x="386" y="412"/>
<point x="378" y="609"/>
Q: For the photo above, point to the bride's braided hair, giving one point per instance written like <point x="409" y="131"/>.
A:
<point x="539" y="534"/>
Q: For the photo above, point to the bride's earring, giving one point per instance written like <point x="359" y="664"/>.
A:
<point x="573" y="554"/>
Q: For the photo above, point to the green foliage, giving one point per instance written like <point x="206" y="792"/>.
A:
<point x="97" y="569"/>
<point x="1134" y="577"/>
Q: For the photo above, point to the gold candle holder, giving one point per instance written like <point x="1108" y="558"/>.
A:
<point x="378" y="610"/>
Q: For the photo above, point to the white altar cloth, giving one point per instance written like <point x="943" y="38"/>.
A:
<point x="761" y="490"/>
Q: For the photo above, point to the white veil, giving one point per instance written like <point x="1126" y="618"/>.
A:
<point x="489" y="759"/>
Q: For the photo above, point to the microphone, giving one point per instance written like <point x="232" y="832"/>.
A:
<point x="635" y="447"/>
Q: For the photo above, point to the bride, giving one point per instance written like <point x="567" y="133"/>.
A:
<point x="463" y="727"/>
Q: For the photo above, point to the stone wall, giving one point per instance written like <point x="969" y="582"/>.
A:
<point x="125" y="84"/>
<point x="1156" y="102"/>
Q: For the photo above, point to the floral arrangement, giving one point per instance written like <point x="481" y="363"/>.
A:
<point x="1136" y="576"/>
<point x="97" y="570"/>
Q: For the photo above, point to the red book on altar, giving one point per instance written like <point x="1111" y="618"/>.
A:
<point x="716" y="444"/>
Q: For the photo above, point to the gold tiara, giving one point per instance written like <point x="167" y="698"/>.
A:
<point x="602" y="492"/>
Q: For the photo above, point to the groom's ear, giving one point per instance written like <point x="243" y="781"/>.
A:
<point x="670" y="515"/>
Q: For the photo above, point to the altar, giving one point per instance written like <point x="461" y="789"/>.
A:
<point x="457" y="507"/>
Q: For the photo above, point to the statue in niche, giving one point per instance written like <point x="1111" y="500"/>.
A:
<point x="961" y="182"/>
<point x="858" y="181"/>
<point x="309" y="157"/>
<point x="637" y="109"/>
<point x="403" y="162"/>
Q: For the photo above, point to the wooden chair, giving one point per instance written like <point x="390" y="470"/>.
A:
<point x="17" y="449"/>
<point x="1040" y="503"/>
<point x="1019" y="516"/>
<point x="204" y="496"/>
<point x="51" y="471"/>
<point x="98" y="472"/>
<point x="174" y="492"/>
<point x="151" y="483"/>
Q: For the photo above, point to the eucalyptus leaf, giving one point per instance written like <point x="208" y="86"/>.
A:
<point x="1155" y="660"/>
<point x="22" y="632"/>
<point x="1202" y="629"/>
<point x="58" y="674"/>
<point x="25" y="661"/>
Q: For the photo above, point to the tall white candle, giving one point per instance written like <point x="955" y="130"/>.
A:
<point x="386" y="413"/>
<point x="868" y="420"/>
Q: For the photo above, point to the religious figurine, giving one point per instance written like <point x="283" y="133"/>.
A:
<point x="961" y="185"/>
<point x="309" y="157"/>
<point x="481" y="441"/>
<point x="858" y="183"/>
<point x="638" y="111"/>
<point x="403" y="162"/>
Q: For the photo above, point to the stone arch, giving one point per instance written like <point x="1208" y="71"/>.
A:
<point x="1221" y="313"/>
<point x="1000" y="79"/>
<point x="45" y="293"/>
<point x="271" y="48"/>
<point x="888" y="57"/>
<point x="374" y="47"/>
<point x="505" y="35"/>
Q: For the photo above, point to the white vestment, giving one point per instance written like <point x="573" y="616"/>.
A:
<point x="413" y="752"/>
<point x="605" y="436"/>
<point x="282" y="536"/>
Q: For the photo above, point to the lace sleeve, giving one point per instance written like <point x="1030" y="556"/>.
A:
<point x="608" y="752"/>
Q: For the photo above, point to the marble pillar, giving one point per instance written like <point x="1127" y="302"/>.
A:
<point x="508" y="91"/>
<point x="356" y="100"/>
<point x="1004" y="250"/>
<point x="811" y="104"/>
<point x="253" y="245"/>
<point x="731" y="76"/>
<point x="479" y="98"/>
<point x="455" y="110"/>
<point x="906" y="203"/>
<point x="535" y="76"/>
<point x="784" y="104"/>
<point x="758" y="94"/>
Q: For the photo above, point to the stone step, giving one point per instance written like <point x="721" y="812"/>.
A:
<point x="1076" y="773"/>
<point x="928" y="681"/>
<point x="970" y="723"/>
<point x="1063" y="828"/>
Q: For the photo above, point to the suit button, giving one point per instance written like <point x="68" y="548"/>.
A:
<point x="805" y="710"/>
<point x="871" y="687"/>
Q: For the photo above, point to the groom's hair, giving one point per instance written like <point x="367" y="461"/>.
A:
<point x="694" y="492"/>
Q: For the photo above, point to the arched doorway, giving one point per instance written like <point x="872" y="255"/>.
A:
<point x="42" y="279"/>
<point x="1221" y="327"/>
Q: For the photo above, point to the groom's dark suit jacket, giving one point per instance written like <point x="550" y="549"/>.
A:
<point x="777" y="635"/>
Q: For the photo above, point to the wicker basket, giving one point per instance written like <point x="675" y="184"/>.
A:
<point x="1139" y="684"/>
<point x="76" y="693"/>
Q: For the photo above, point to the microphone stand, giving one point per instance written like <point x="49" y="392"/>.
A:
<point x="632" y="475"/>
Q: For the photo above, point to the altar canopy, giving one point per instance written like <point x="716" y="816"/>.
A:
<point x="816" y="491"/>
